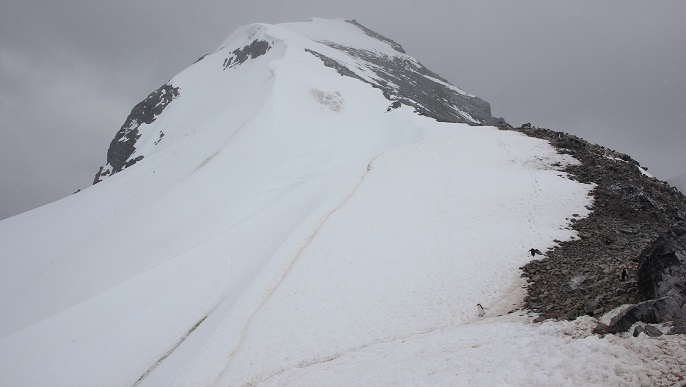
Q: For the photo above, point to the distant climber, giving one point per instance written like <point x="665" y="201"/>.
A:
<point x="535" y="251"/>
<point x="480" y="310"/>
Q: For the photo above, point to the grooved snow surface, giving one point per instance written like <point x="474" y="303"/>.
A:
<point x="274" y="239"/>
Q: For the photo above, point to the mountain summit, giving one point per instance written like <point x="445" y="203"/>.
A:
<point x="309" y="205"/>
<point x="349" y="48"/>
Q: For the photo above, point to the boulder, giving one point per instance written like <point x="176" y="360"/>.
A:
<point x="652" y="312"/>
<point x="679" y="324"/>
<point x="662" y="267"/>
<point x="652" y="331"/>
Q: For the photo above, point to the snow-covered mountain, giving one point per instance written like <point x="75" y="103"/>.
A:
<point x="356" y="52"/>
<point x="307" y="205"/>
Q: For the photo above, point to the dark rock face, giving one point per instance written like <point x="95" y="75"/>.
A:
<point x="652" y="331"/>
<point x="661" y="278"/>
<point x="679" y="324"/>
<point x="241" y="55"/>
<point x="403" y="80"/>
<point x="662" y="268"/>
<point x="124" y="143"/>
<point x="408" y="82"/>
<point x="334" y="64"/>
<point x="653" y="312"/>
<point x="630" y="211"/>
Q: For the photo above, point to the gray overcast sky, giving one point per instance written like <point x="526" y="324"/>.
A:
<point x="612" y="72"/>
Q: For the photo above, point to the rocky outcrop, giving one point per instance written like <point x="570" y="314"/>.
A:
<point x="123" y="145"/>
<point x="661" y="310"/>
<point x="661" y="278"/>
<point x="240" y="55"/>
<point x="630" y="211"/>
<point x="662" y="269"/>
<point x="404" y="80"/>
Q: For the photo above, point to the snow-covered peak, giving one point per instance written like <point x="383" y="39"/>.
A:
<point x="347" y="33"/>
<point x="344" y="32"/>
<point x="254" y="61"/>
<point x="245" y="35"/>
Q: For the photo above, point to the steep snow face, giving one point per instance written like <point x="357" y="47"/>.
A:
<point x="348" y="47"/>
<point x="281" y="217"/>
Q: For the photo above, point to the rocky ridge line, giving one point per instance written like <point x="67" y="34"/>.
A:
<point x="630" y="211"/>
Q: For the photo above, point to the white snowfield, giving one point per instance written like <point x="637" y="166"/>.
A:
<point x="287" y="230"/>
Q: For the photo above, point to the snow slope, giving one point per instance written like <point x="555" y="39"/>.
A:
<point x="288" y="229"/>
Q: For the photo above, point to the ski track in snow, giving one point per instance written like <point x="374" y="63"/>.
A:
<point x="269" y="292"/>
<point x="330" y="357"/>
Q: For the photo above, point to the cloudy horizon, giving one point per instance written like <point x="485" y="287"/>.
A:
<point x="71" y="71"/>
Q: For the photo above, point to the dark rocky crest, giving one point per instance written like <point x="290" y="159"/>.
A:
<point x="123" y="145"/>
<point x="241" y="55"/>
<point x="630" y="213"/>
<point x="662" y="268"/>
<point x="404" y="80"/>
